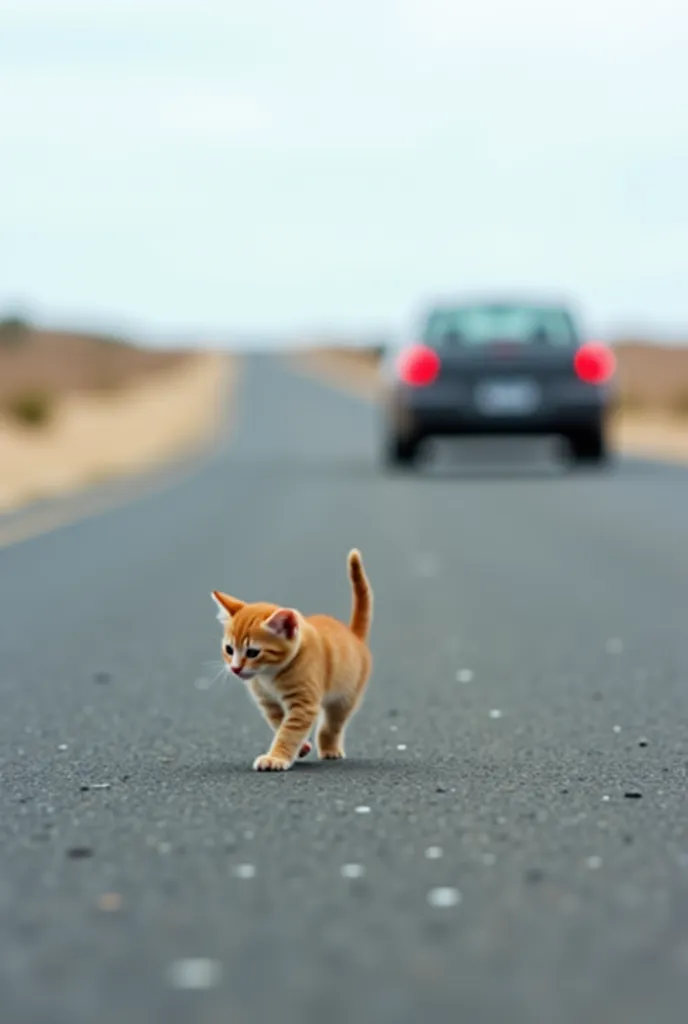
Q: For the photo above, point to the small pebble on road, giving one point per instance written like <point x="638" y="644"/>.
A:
<point x="594" y="863"/>
<point x="79" y="852"/>
<point x="363" y="809"/>
<point x="495" y="713"/>
<point x="244" y="871"/>
<point x="109" y="902"/>
<point x="464" y="675"/>
<point x="434" y="852"/>
<point x="352" y="871"/>
<point x="444" y="897"/>
<point x="194" y="973"/>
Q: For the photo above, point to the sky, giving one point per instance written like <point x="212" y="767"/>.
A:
<point x="213" y="168"/>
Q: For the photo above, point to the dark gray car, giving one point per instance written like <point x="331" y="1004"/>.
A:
<point x="496" y="368"/>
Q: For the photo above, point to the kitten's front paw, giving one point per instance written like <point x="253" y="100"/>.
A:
<point x="267" y="763"/>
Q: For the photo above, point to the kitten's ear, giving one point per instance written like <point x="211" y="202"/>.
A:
<point x="227" y="606"/>
<point x="284" y="622"/>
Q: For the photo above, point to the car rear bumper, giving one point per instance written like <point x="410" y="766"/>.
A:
<point x="420" y="414"/>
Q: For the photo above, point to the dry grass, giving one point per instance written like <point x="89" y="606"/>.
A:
<point x="653" y="376"/>
<point x="76" y="409"/>
<point x="58" y="363"/>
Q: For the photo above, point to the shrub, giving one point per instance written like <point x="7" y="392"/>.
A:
<point x="31" y="408"/>
<point x="680" y="404"/>
<point x="13" y="330"/>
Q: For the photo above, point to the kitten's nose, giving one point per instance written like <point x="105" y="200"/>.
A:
<point x="236" y="669"/>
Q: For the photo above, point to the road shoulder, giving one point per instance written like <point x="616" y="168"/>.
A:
<point x="196" y="422"/>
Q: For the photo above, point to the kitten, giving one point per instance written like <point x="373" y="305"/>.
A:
<point x="297" y="668"/>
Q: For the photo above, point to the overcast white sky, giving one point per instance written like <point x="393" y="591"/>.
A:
<point x="278" y="165"/>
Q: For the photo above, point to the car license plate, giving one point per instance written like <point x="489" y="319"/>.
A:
<point x="508" y="398"/>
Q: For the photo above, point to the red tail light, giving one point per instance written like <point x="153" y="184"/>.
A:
<point x="594" y="363"/>
<point x="418" y="366"/>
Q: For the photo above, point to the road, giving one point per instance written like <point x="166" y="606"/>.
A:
<point x="531" y="657"/>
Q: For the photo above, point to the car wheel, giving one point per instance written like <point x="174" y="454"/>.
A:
<point x="400" y="452"/>
<point x="589" y="447"/>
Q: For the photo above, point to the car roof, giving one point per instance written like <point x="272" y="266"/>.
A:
<point x="497" y="301"/>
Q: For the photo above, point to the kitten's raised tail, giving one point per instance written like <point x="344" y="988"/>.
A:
<point x="362" y="606"/>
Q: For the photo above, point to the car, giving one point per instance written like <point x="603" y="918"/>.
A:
<point x="497" y="368"/>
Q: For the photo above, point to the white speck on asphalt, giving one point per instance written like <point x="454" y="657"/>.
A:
<point x="165" y="848"/>
<point x="616" y="729"/>
<point x="195" y="973"/>
<point x="495" y="713"/>
<point x="401" y="746"/>
<point x="594" y="863"/>
<point x="63" y="747"/>
<point x="352" y="871"/>
<point x="100" y="785"/>
<point x="244" y="871"/>
<point x="606" y="798"/>
<point x="434" y="852"/>
<point x="614" y="645"/>
<point x="464" y="675"/>
<point x="363" y="809"/>
<point x="394" y="728"/>
<point x="444" y="896"/>
<point x="489" y="859"/>
<point x="249" y="834"/>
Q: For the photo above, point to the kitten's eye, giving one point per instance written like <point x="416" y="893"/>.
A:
<point x="252" y="652"/>
<point x="229" y="649"/>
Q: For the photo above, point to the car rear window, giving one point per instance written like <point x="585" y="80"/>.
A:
<point x="466" y="326"/>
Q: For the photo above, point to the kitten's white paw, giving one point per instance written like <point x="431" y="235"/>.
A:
<point x="267" y="763"/>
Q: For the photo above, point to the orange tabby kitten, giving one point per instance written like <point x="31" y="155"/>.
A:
<point x="298" y="667"/>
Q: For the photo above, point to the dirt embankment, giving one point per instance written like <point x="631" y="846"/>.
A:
<point x="75" y="409"/>
<point x="650" y="416"/>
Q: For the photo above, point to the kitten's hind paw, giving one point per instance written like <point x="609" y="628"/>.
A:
<point x="332" y="755"/>
<point x="267" y="763"/>
<point x="305" y="749"/>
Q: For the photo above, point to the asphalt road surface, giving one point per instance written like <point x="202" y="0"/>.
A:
<point x="521" y="754"/>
